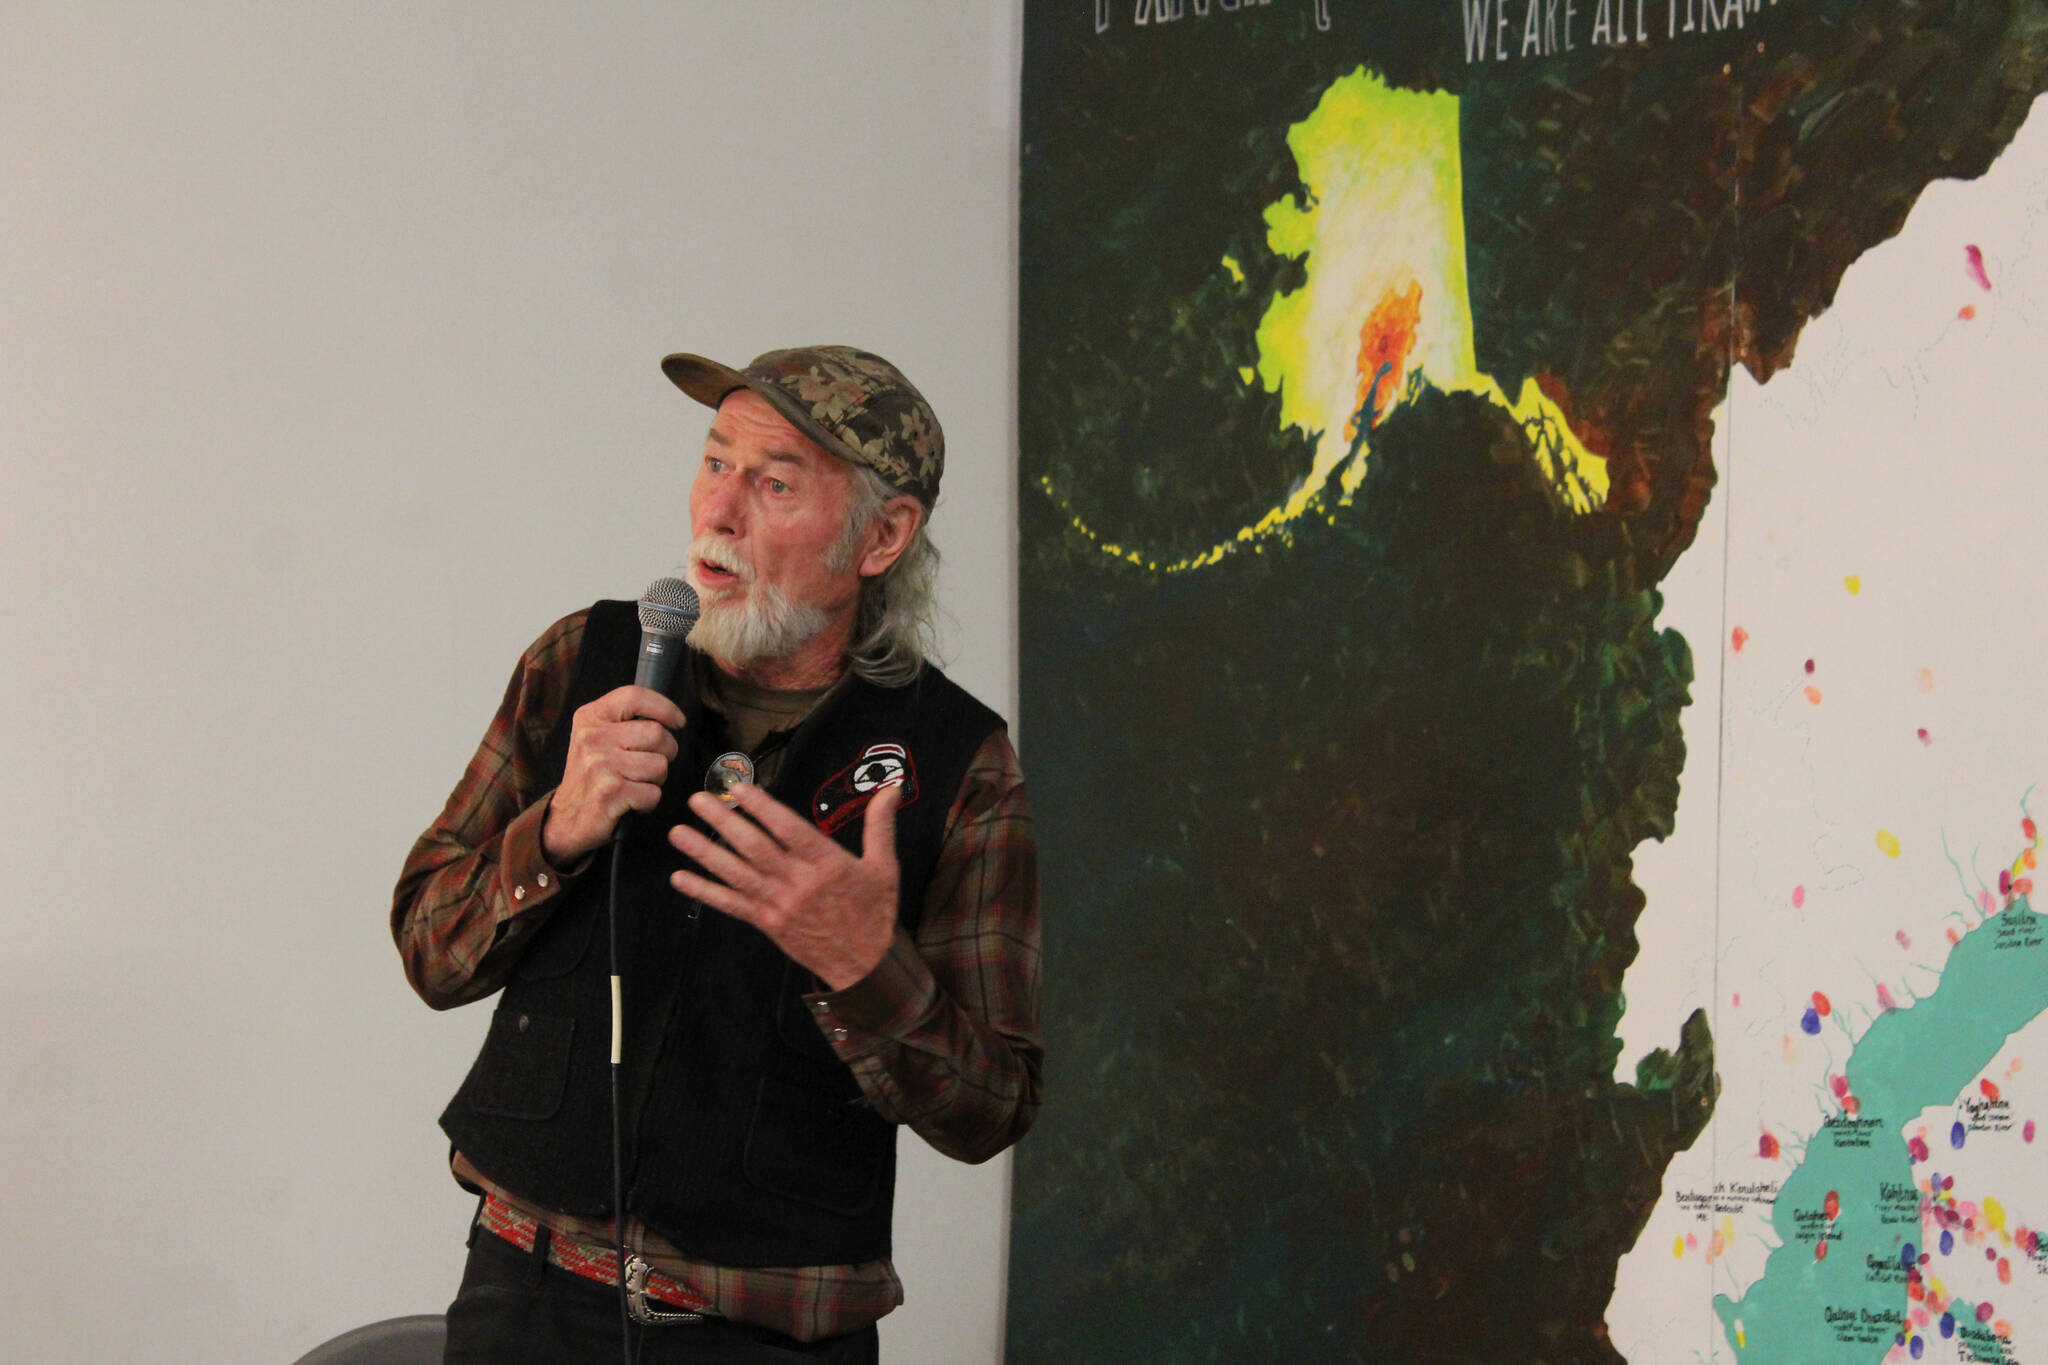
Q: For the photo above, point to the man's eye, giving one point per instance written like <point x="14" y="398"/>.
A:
<point x="777" y="486"/>
<point x="714" y="464"/>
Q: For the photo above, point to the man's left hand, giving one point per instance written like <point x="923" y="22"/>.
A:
<point x="830" y="911"/>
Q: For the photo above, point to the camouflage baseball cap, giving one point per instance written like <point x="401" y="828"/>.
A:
<point x="852" y="402"/>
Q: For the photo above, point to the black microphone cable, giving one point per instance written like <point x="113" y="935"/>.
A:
<point x="618" y="1140"/>
<point x="668" y="612"/>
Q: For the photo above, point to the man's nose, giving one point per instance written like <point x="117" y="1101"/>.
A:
<point x="721" y="506"/>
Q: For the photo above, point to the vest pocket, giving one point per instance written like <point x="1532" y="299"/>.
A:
<point x="560" y="945"/>
<point x="816" y="1148"/>
<point x="523" y="1071"/>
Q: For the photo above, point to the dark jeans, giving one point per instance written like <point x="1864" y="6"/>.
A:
<point x="515" y="1307"/>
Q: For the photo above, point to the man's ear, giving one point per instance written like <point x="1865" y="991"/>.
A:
<point x="890" y="534"/>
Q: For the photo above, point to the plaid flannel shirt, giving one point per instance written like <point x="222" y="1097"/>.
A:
<point x="942" y="1036"/>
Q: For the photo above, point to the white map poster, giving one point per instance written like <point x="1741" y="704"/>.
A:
<point x="1850" y="889"/>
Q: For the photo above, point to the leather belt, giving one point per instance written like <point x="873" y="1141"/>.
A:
<point x="643" y="1281"/>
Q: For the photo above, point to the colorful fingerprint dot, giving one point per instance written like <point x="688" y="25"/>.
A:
<point x="1923" y="736"/>
<point x="1948" y="1325"/>
<point x="2004" y="881"/>
<point x="1917" y="1149"/>
<point x="2027" y="1132"/>
<point x="1888" y="843"/>
<point x="1820" y="1250"/>
<point x="1904" y="940"/>
<point x="1809" y="1022"/>
<point x="2027" y="828"/>
<point x="1975" y="258"/>
<point x="1812" y="695"/>
<point x="1821" y="1004"/>
<point x="1988" y="1088"/>
<point x="1839" y="1084"/>
<point x="1809" y="666"/>
<point x="1737" y="639"/>
<point x="1924" y="680"/>
<point x="1767" y="1147"/>
<point x="1798" y="897"/>
<point x="1884" y="997"/>
<point x="1994" y="1214"/>
<point x="1854" y="583"/>
<point x="1957" y="1135"/>
<point x="1851" y="1105"/>
<point x="1984" y="1312"/>
<point x="1948" y="1242"/>
<point x="2004" y="1271"/>
<point x="1967" y="312"/>
<point x="1832" y="1205"/>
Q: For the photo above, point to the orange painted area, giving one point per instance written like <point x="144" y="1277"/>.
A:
<point x="1384" y="343"/>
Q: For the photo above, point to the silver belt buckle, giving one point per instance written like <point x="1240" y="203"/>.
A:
<point x="637" y="1305"/>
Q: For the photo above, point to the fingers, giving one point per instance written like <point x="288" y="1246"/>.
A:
<point x="717" y="895"/>
<point x="631" y="702"/>
<point x="791" y="830"/>
<point x="878" y="824"/>
<point x="729" y="867"/>
<point x="641" y="796"/>
<point x="736" y="829"/>
<point x="644" y="736"/>
<point x="620" y="747"/>
<point x="592" y="729"/>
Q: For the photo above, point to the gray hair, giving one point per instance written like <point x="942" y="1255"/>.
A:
<point x="892" y="628"/>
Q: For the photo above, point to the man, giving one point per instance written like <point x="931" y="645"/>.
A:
<point x="845" y="943"/>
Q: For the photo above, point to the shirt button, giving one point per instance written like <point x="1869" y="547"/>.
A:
<point x="518" y="893"/>
<point x="542" y="879"/>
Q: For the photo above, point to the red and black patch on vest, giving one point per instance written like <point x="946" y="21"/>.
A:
<point x="847" y="793"/>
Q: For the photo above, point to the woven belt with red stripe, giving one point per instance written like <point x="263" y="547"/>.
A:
<point x="599" y="1264"/>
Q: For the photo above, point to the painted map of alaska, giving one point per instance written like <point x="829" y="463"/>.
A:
<point x="1340" y="551"/>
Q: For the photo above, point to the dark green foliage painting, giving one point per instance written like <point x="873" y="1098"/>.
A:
<point x="1367" y="363"/>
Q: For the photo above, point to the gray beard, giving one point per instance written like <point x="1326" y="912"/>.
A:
<point x="764" y="624"/>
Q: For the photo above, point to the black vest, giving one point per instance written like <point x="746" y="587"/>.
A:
<point x="748" y="1142"/>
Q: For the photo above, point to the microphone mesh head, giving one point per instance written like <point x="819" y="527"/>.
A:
<point x="668" y="607"/>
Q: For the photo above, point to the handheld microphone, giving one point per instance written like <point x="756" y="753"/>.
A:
<point x="668" y="612"/>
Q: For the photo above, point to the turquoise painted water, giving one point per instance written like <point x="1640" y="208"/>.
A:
<point x="1850" y="1304"/>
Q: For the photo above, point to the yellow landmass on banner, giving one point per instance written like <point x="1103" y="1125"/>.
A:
<point x="1385" y="307"/>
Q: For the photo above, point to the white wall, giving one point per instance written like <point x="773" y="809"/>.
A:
<point x="328" y="376"/>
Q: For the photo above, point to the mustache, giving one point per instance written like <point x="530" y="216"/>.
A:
<point x="720" y="554"/>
